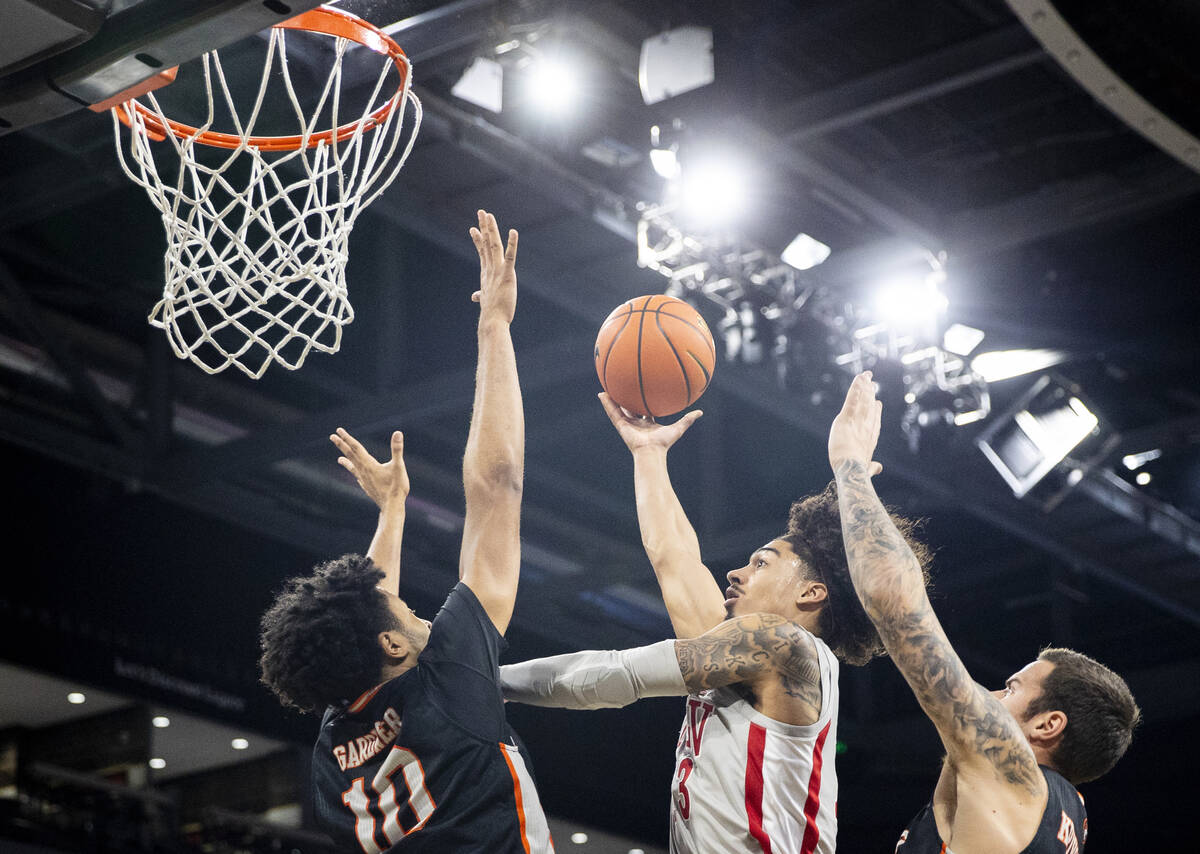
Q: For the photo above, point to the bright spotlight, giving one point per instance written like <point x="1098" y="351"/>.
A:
<point x="665" y="163"/>
<point x="1143" y="478"/>
<point x="553" y="85"/>
<point x="75" y="698"/>
<point x="158" y="763"/>
<point x="1006" y="364"/>
<point x="961" y="340"/>
<point x="1136" y="461"/>
<point x="239" y="744"/>
<point x="911" y="300"/>
<point x="579" y="838"/>
<point x="804" y="252"/>
<point x="160" y="721"/>
<point x="713" y="190"/>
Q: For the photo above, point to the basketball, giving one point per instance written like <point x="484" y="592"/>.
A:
<point x="654" y="355"/>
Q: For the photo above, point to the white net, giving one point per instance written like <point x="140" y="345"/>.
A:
<point x="257" y="237"/>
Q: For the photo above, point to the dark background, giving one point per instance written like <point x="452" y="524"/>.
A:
<point x="154" y="509"/>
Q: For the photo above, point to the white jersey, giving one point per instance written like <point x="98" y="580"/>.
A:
<point x="745" y="782"/>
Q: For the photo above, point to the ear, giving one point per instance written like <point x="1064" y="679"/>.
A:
<point x="1046" y="728"/>
<point x="811" y="594"/>
<point x="394" y="645"/>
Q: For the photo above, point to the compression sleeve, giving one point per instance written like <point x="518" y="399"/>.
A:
<point x="595" y="679"/>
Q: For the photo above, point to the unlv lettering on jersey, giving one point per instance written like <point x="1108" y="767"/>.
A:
<point x="694" y="720"/>
<point x="1066" y="835"/>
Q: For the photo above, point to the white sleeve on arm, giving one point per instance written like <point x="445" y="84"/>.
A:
<point x="595" y="679"/>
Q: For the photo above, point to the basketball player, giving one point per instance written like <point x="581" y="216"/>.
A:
<point x="1014" y="756"/>
<point x="414" y="753"/>
<point x="759" y="663"/>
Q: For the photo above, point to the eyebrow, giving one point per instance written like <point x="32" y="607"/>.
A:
<point x="773" y="551"/>
<point x="1010" y="681"/>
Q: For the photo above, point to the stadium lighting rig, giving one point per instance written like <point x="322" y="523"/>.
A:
<point x="771" y="310"/>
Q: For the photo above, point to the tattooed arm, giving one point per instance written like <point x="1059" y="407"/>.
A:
<point x="981" y="737"/>
<point x="757" y="649"/>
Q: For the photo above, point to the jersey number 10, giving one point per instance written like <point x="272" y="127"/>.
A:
<point x="381" y="801"/>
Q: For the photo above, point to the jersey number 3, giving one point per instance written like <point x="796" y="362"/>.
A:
<point x="381" y="802"/>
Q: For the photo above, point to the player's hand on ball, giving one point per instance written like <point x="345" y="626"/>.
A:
<point x="497" y="294"/>
<point x="639" y="432"/>
<point x="384" y="483"/>
<point x="855" y="430"/>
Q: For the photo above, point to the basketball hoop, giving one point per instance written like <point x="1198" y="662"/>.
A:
<point x="257" y="234"/>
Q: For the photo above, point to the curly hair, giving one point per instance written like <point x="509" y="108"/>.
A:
<point x="1101" y="714"/>
<point x="815" y="534"/>
<point x="319" y="637"/>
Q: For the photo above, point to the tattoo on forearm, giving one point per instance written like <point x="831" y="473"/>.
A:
<point x="748" y="647"/>
<point x="890" y="583"/>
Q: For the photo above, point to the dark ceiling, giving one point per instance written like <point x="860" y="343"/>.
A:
<point x="162" y="505"/>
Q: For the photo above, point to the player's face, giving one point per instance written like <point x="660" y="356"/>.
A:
<point x="1023" y="687"/>
<point x="415" y="630"/>
<point x="767" y="584"/>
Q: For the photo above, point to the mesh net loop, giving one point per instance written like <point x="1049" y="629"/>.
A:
<point x="258" y="226"/>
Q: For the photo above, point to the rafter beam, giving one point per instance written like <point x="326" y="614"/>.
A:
<point x="930" y="76"/>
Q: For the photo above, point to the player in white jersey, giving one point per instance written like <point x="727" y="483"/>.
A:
<point x="754" y="768"/>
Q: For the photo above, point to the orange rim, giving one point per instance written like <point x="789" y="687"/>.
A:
<point x="327" y="21"/>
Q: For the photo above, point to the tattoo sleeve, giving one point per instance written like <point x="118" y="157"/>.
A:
<point x="748" y="649"/>
<point x="973" y="724"/>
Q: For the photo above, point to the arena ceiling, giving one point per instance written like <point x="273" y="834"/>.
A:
<point x="163" y="504"/>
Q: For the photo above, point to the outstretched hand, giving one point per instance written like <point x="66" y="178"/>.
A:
<point x="384" y="483"/>
<point x="855" y="430"/>
<point x="497" y="294"/>
<point x="638" y="432"/>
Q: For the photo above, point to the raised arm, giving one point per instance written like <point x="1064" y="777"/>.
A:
<point x="493" y="464"/>
<point x="693" y="598"/>
<point x="387" y="485"/>
<point x="981" y="737"/>
<point x="750" y="649"/>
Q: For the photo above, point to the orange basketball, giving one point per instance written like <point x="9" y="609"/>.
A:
<point x="654" y="355"/>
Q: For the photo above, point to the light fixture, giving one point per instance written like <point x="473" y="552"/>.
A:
<point x="1143" y="478"/>
<point x="713" y="190"/>
<point x="161" y="721"/>
<point x="579" y="838"/>
<point x="804" y="252"/>
<point x="675" y="62"/>
<point x="1136" y="461"/>
<point x="553" y="85"/>
<point x="664" y="148"/>
<point x="1005" y="364"/>
<point x="158" y="763"/>
<point x="961" y="339"/>
<point x="239" y="744"/>
<point x="1037" y="433"/>
<point x="911" y="301"/>
<point x="75" y="698"/>
<point x="482" y="84"/>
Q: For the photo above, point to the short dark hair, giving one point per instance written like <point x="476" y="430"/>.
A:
<point x="815" y="533"/>
<point x="1101" y="714"/>
<point x="319" y="637"/>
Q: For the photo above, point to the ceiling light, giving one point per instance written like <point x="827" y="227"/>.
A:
<point x="961" y="340"/>
<point x="1045" y="425"/>
<point x="161" y="721"/>
<point x="158" y="763"/>
<point x="482" y="84"/>
<point x="1006" y="364"/>
<point x="713" y="190"/>
<point x="579" y="838"/>
<point x="75" y="698"/>
<point x="1136" y="461"/>
<point x="675" y="62"/>
<point x="1143" y="478"/>
<point x="665" y="163"/>
<point x="910" y="300"/>
<point x="239" y="744"/>
<point x="553" y="86"/>
<point x="805" y="252"/>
